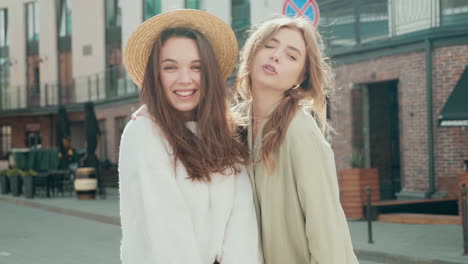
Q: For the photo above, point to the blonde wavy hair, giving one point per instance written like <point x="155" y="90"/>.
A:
<point x="311" y="95"/>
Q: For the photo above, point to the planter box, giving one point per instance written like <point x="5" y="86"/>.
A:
<point x="16" y="185"/>
<point x="352" y="190"/>
<point x="28" y="182"/>
<point x="5" y="182"/>
<point x="461" y="179"/>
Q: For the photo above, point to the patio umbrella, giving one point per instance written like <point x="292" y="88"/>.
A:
<point x="63" y="137"/>
<point x="92" y="133"/>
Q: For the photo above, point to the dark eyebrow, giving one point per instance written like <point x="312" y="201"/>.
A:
<point x="289" y="47"/>
<point x="172" y="60"/>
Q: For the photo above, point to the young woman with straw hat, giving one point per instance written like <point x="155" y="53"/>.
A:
<point x="284" y="77"/>
<point x="185" y="196"/>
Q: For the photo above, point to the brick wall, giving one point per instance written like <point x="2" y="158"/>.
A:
<point x="110" y="114"/>
<point x="19" y="127"/>
<point x="409" y="69"/>
<point x="451" y="143"/>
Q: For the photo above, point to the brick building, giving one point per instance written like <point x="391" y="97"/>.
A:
<point x="69" y="52"/>
<point x="396" y="63"/>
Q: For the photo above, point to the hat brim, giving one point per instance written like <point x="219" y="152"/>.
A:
<point x="217" y="32"/>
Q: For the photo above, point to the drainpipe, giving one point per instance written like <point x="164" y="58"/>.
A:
<point x="430" y="132"/>
<point x="58" y="11"/>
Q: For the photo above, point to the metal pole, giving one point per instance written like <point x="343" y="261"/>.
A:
<point x="18" y="95"/>
<point x="89" y="88"/>
<point x="465" y="224"/>
<point x="97" y="86"/>
<point x="46" y="94"/>
<point x="369" y="216"/>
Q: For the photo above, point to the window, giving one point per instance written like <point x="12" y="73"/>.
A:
<point x="33" y="139"/>
<point x="373" y="20"/>
<point x="454" y="12"/>
<point x="4" y="59"/>
<point x="151" y="8"/>
<point x="240" y="13"/>
<point x="5" y="139"/>
<point x="192" y="4"/>
<point x="4" y="81"/>
<point x="113" y="13"/>
<point x="121" y="123"/>
<point x="32" y="22"/>
<point x="65" y="18"/>
<point x="3" y="28"/>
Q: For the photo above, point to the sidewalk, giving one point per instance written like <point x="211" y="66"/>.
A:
<point x="393" y="243"/>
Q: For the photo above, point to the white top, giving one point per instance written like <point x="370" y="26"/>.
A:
<point x="167" y="218"/>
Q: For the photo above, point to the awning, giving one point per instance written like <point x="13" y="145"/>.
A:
<point x="455" y="111"/>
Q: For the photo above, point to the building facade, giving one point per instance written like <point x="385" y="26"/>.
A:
<point x="68" y="52"/>
<point x="396" y="62"/>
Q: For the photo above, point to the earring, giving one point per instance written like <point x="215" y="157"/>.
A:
<point x="295" y="86"/>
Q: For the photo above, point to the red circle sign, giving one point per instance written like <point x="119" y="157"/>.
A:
<point x="304" y="8"/>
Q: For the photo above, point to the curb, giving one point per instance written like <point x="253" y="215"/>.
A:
<point x="398" y="259"/>
<point x="89" y="216"/>
<point x="362" y="254"/>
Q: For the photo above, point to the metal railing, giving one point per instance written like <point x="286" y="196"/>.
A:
<point x="110" y="84"/>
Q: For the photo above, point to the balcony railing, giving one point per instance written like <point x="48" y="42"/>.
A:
<point x="346" y="24"/>
<point x="114" y="83"/>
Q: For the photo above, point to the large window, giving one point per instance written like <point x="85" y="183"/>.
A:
<point x="4" y="59"/>
<point x="113" y="13"/>
<point x="192" y="4"/>
<point x="454" y="12"/>
<point x="347" y="23"/>
<point x="151" y="8"/>
<point x="65" y="18"/>
<point x="5" y="139"/>
<point x="373" y="20"/>
<point x="3" y="28"/>
<point x="240" y="13"/>
<point x="337" y="25"/>
<point x="32" y="21"/>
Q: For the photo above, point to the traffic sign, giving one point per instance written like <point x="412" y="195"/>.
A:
<point x="305" y="8"/>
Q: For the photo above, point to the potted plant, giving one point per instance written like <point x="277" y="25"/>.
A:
<point x="29" y="182"/>
<point x="4" y="181"/>
<point x="353" y="182"/>
<point x="15" y="176"/>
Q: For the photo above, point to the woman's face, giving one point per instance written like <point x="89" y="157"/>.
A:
<point x="279" y="64"/>
<point x="180" y="70"/>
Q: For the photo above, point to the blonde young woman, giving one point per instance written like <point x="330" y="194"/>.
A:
<point x="184" y="195"/>
<point x="284" y="77"/>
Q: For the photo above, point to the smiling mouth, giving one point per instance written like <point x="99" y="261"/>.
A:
<point x="185" y="93"/>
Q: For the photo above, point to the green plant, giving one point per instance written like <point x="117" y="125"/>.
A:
<point x="355" y="161"/>
<point x="15" y="172"/>
<point x="4" y="172"/>
<point x="30" y="172"/>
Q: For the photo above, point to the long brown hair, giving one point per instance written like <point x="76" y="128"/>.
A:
<point x="311" y="95"/>
<point x="214" y="148"/>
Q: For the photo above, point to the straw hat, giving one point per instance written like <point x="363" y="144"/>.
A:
<point x="218" y="33"/>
